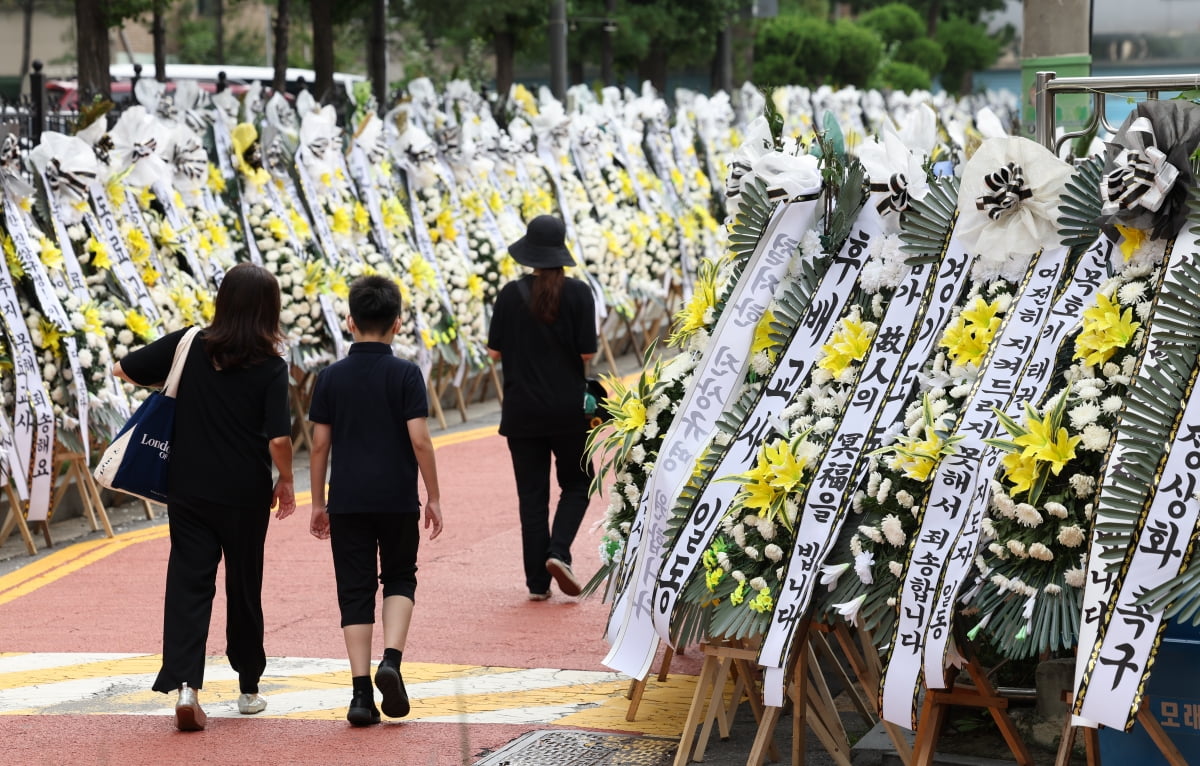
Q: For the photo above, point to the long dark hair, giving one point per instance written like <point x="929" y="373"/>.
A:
<point x="547" y="294"/>
<point x="245" y="326"/>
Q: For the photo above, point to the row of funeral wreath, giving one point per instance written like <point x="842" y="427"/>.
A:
<point x="916" y="402"/>
<point x="113" y="236"/>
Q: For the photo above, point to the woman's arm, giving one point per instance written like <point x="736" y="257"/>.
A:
<point x="285" y="492"/>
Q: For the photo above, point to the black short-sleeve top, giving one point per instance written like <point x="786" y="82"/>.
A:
<point x="543" y="372"/>
<point x="367" y="400"/>
<point x="223" y="422"/>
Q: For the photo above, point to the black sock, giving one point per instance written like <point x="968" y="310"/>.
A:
<point x="362" y="686"/>
<point x="393" y="656"/>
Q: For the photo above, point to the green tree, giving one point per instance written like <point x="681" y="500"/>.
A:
<point x="795" y="50"/>
<point x="936" y="11"/>
<point x="859" y="52"/>
<point x="924" y="52"/>
<point x="894" y="22"/>
<point x="899" y="75"/>
<point x="968" y="47"/>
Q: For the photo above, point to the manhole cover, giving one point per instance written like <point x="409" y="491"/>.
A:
<point x="582" y="748"/>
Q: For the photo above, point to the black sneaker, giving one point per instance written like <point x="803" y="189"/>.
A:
<point x="562" y="574"/>
<point x="391" y="685"/>
<point x="362" y="710"/>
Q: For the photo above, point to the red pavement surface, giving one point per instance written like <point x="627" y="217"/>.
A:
<point x="470" y="610"/>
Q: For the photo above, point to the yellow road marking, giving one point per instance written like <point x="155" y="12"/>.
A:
<point x="318" y="689"/>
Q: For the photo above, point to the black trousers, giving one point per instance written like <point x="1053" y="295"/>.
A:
<point x="540" y="539"/>
<point x="201" y="533"/>
<point x="358" y="541"/>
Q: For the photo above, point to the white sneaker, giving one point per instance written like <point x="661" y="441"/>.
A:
<point x="249" y="704"/>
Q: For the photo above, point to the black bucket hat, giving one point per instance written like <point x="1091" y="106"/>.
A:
<point x="543" y="246"/>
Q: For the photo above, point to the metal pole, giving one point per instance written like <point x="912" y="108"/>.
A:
<point x="558" y="49"/>
<point x="1043" y="107"/>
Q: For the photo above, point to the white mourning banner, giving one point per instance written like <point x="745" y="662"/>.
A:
<point x="717" y="377"/>
<point x="1123" y="636"/>
<point x="948" y="502"/>
<point x="52" y="308"/>
<point x="901" y="343"/>
<point x="796" y="361"/>
<point x="104" y="227"/>
<point x="1077" y="294"/>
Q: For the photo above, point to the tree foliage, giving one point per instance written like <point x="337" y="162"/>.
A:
<point x="968" y="47"/>
<point x="795" y="50"/>
<point x="859" y="53"/>
<point x="894" y="22"/>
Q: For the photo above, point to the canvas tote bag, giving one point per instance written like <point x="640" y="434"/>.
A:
<point x="136" y="461"/>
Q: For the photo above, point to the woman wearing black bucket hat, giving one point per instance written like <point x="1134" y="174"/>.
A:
<point x="544" y="330"/>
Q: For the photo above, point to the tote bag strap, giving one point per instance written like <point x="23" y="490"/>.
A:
<point x="177" y="364"/>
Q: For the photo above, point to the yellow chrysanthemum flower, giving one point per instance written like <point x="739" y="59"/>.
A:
<point x="762" y="336"/>
<point x="92" y="323"/>
<point x="362" y="219"/>
<point x="475" y="286"/>
<point x="216" y="180"/>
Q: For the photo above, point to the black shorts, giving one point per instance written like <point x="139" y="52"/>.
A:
<point x="370" y="546"/>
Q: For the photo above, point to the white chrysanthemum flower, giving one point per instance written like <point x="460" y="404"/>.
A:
<point x="1143" y="310"/>
<point x="637" y="454"/>
<point x="1057" y="510"/>
<point x="1095" y="438"/>
<point x="1112" y="404"/>
<point x="896" y="568"/>
<point x="1052" y="589"/>
<point x="885" y="487"/>
<point x="773" y="552"/>
<point x="738" y="533"/>
<point x="1074" y="577"/>
<point x="989" y="527"/>
<point x="738" y="575"/>
<point x="1027" y="515"/>
<point x="758" y="583"/>
<point x="855" y="545"/>
<point x="1040" y="552"/>
<point x="1004" y="505"/>
<point x="1131" y="292"/>
<point x="1083" y="484"/>
<point x="871" y="533"/>
<point x="766" y="529"/>
<point x="752" y="552"/>
<point x="1071" y="537"/>
<point x="893" y="530"/>
<point x="722" y="438"/>
<point x="904" y="499"/>
<point x="998" y="550"/>
<point x="632" y="493"/>
<point x="1087" y="389"/>
<point x="1085" y="414"/>
<point x="1018" y="548"/>
<point x="761" y="363"/>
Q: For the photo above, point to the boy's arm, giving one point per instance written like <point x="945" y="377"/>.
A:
<point x="285" y="493"/>
<point x="418" y="433"/>
<point x="318" y="524"/>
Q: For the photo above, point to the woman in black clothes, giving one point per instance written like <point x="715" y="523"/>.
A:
<point x="231" y="423"/>
<point x="544" y="328"/>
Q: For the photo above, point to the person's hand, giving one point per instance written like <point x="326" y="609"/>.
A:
<point x="433" y="517"/>
<point x="318" y="523"/>
<point x="285" y="498"/>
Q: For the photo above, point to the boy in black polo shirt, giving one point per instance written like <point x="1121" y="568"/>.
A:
<point x="370" y="410"/>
